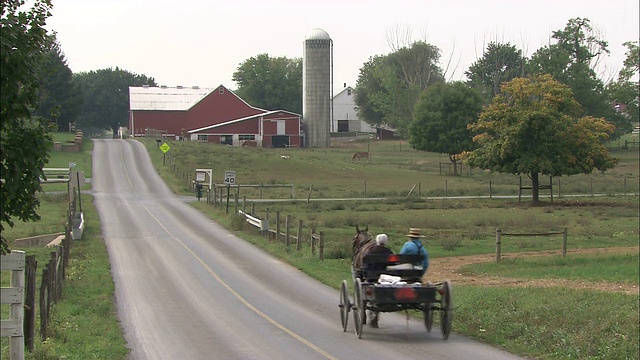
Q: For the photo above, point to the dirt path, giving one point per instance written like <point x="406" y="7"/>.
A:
<point x="449" y="268"/>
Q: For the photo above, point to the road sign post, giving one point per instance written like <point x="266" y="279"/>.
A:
<point x="229" y="179"/>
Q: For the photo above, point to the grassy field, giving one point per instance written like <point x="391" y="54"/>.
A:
<point x="545" y="323"/>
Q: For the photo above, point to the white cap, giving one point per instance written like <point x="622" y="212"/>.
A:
<point x="381" y="239"/>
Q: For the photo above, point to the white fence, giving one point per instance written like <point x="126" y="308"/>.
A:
<point x="14" y="295"/>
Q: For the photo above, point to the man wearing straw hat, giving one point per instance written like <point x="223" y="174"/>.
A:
<point x="414" y="246"/>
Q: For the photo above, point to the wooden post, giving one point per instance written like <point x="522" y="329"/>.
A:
<point x="313" y="241"/>
<point x="278" y="225"/>
<point x="564" y="242"/>
<point x="625" y="186"/>
<point x="490" y="191"/>
<point x="559" y="193"/>
<point x="299" y="236"/>
<point x="215" y="199"/>
<point x="253" y="208"/>
<point x="293" y="191"/>
<point x="446" y="188"/>
<point x="309" y="195"/>
<point x="498" y="243"/>
<point x="260" y="190"/>
<point x="228" y="196"/>
<point x="419" y="186"/>
<point x="520" y="190"/>
<point x="365" y="188"/>
<point x="244" y="204"/>
<point x="321" y="245"/>
<point x="551" y="187"/>
<point x="30" y="301"/>
<point x="287" y="241"/>
<point x="235" y="201"/>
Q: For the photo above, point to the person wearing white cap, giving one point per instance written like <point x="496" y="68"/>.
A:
<point x="380" y="248"/>
<point x="414" y="246"/>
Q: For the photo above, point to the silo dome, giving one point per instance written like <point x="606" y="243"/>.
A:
<point x="317" y="34"/>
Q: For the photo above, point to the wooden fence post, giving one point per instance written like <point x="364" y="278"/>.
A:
<point x="498" y="244"/>
<point x="564" y="242"/>
<point x="44" y="303"/>
<point x="321" y="245"/>
<point x="278" y="225"/>
<point x="299" y="237"/>
<point x="287" y="220"/>
<point x="313" y="241"/>
<point x="490" y="191"/>
<point x="30" y="301"/>
<point x="13" y="327"/>
<point x="309" y="195"/>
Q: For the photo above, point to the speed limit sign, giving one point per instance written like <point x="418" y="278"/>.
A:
<point x="230" y="177"/>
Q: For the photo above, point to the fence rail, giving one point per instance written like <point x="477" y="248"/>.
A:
<point x="500" y="234"/>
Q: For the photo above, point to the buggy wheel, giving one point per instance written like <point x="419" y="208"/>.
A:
<point x="447" y="310"/>
<point x="345" y="305"/>
<point x="428" y="317"/>
<point x="358" y="310"/>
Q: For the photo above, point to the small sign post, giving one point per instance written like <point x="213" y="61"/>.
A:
<point x="229" y="179"/>
<point x="164" y="147"/>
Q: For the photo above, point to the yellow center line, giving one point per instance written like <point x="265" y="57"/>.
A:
<point x="243" y="300"/>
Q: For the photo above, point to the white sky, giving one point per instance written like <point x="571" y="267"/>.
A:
<point x="202" y="42"/>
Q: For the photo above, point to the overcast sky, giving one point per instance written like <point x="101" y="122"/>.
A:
<point x="202" y="42"/>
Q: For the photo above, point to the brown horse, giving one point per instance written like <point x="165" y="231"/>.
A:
<point x="250" y="143"/>
<point x="361" y="244"/>
<point x="359" y="155"/>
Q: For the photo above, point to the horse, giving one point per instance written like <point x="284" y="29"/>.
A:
<point x="359" y="155"/>
<point x="361" y="244"/>
<point x="250" y="143"/>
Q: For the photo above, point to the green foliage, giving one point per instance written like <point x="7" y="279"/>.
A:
<point x="388" y="86"/>
<point x="571" y="60"/>
<point x="500" y="63"/>
<point x="441" y="117"/>
<point x="271" y="83"/>
<point x="625" y="91"/>
<point x="25" y="141"/>
<point x="60" y="96"/>
<point x="106" y="98"/>
<point x="533" y="128"/>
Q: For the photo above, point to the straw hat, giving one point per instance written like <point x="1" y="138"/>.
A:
<point x="414" y="233"/>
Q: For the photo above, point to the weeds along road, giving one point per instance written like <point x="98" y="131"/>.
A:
<point x="186" y="288"/>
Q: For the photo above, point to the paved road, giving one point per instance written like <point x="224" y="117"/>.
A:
<point x="186" y="288"/>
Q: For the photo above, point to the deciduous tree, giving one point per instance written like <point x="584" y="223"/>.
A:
<point x="535" y="127"/>
<point x="25" y="141"/>
<point x="441" y="117"/>
<point x="626" y="88"/>
<point x="270" y="83"/>
<point x="106" y="97"/>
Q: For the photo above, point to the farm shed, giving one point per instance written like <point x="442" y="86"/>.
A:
<point x="213" y="115"/>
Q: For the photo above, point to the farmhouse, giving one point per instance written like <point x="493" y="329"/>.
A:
<point x="212" y="115"/>
<point x="345" y="116"/>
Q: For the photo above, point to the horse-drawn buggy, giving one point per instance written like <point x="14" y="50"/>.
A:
<point x="391" y="283"/>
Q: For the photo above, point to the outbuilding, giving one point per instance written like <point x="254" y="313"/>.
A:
<point x="211" y="115"/>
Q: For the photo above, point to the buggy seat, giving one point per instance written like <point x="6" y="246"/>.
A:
<point x="406" y="266"/>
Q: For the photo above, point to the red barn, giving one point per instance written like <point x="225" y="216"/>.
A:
<point x="213" y="115"/>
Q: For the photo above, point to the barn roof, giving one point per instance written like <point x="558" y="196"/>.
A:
<point x="165" y="98"/>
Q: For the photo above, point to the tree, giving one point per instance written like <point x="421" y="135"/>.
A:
<point x="25" y="141"/>
<point x="441" y="117"/>
<point x="368" y="83"/>
<point x="391" y="84"/>
<point x="572" y="61"/>
<point x="535" y="127"/>
<point x="106" y="97"/>
<point x="270" y="83"/>
<point x="625" y="90"/>
<point x="500" y="63"/>
<point x="60" y="96"/>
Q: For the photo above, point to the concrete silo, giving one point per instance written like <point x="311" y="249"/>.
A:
<point x="317" y="79"/>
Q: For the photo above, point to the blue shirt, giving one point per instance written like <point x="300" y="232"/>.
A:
<point x="414" y="246"/>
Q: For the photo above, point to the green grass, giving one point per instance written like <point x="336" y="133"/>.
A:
<point x="622" y="269"/>
<point x="545" y="323"/>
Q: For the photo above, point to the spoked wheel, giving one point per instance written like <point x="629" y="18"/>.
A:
<point x="358" y="310"/>
<point x="428" y="317"/>
<point x="345" y="305"/>
<point x="447" y="310"/>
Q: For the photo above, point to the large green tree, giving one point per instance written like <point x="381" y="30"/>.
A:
<point x="25" y="141"/>
<point x="572" y="60"/>
<point x="391" y="84"/>
<point x="625" y="89"/>
<point x="441" y="117"/>
<point x="535" y="127"/>
<point x="499" y="63"/>
<point x="60" y="96"/>
<point x="106" y="98"/>
<point x="270" y="83"/>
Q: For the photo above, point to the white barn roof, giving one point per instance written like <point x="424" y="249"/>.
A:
<point x="165" y="98"/>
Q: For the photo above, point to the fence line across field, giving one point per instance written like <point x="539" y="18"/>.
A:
<point x="500" y="234"/>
